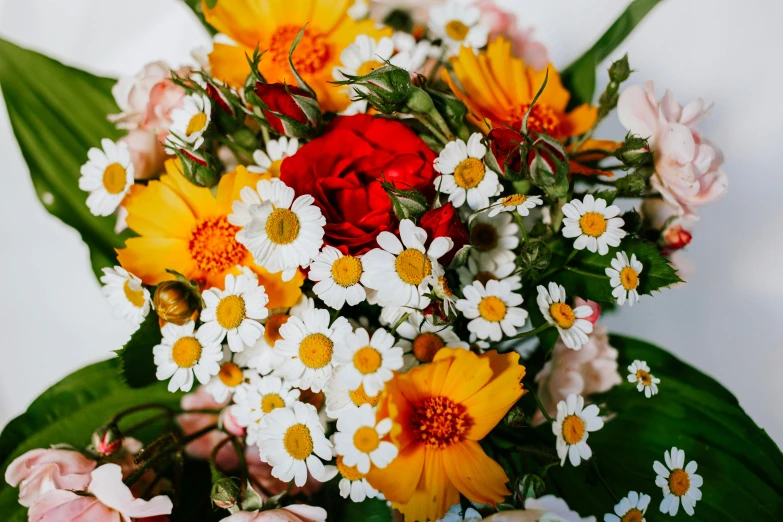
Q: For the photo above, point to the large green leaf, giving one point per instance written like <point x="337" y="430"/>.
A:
<point x="138" y="363"/>
<point x="579" y="77"/>
<point x="58" y="113"/>
<point x="68" y="412"/>
<point x="741" y="466"/>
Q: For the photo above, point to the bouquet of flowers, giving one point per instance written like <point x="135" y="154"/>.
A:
<point x="366" y="248"/>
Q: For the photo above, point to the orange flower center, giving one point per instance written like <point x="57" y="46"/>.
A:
<point x="271" y="401"/>
<point x="310" y="56"/>
<point x="349" y="472"/>
<point x="483" y="236"/>
<point x="469" y="173"/>
<point x="413" y="266"/>
<point x="426" y="345"/>
<point x="114" y="178"/>
<point x="629" y="278"/>
<point x="230" y="374"/>
<point x="440" y="422"/>
<point x="562" y="315"/>
<point x="366" y="439"/>
<point x="573" y="429"/>
<point x="633" y="515"/>
<point x="214" y="247"/>
<point x="643" y="376"/>
<point x="484" y="277"/>
<point x="136" y="297"/>
<point x="542" y="119"/>
<point x="592" y="224"/>
<point x="359" y="397"/>
<point x="367" y="360"/>
<point x="679" y="482"/>
<point x="315" y="351"/>
<point x="272" y="328"/>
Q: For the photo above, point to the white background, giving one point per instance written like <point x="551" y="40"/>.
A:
<point x="727" y="320"/>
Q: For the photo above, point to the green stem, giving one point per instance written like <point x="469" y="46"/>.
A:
<point x="398" y="323"/>
<point x="441" y="123"/>
<point x="240" y="451"/>
<point x="529" y="333"/>
<point x="585" y="273"/>
<point x="541" y="407"/>
<point x="430" y="127"/>
<point x="521" y="222"/>
<point x="200" y="433"/>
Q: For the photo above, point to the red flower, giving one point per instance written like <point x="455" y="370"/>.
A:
<point x="443" y="221"/>
<point x="502" y="142"/>
<point x="676" y="237"/>
<point x="342" y="169"/>
<point x="299" y="110"/>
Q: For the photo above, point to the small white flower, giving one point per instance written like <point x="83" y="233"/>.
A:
<point x="353" y="483"/>
<point x="494" y="238"/>
<point x="338" y="278"/>
<point x="126" y="295"/>
<point x="107" y="176"/>
<point x="458" y="23"/>
<point x="421" y="340"/>
<point x="570" y="322"/>
<point x="340" y="400"/>
<point x="291" y="440"/>
<point x="492" y="311"/>
<point x="549" y="508"/>
<point x="359" y="440"/>
<point x="367" y="362"/>
<point x="235" y="312"/>
<point x="257" y="400"/>
<point x="681" y="484"/>
<point x="441" y="289"/>
<point x="572" y="426"/>
<point x="189" y="123"/>
<point x="639" y="373"/>
<point x="359" y="10"/>
<point x="455" y="514"/>
<point x="483" y="269"/>
<point x="631" y="507"/>
<point x="183" y="353"/>
<point x="411" y="54"/>
<point x="464" y="175"/>
<point x="360" y="58"/>
<point x="282" y="234"/>
<point x="398" y="273"/>
<point x="230" y="379"/>
<point x="624" y="278"/>
<point x="519" y="202"/>
<point x="262" y="356"/>
<point x="308" y="345"/>
<point x="276" y="151"/>
<point x="595" y="226"/>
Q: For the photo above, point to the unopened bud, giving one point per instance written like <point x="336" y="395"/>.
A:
<point x="676" y="237"/>
<point x="176" y="302"/>
<point x="225" y="492"/>
<point x="619" y="71"/>
<point x="289" y="110"/>
<point x="420" y="101"/>
<point x="385" y="88"/>
<point x="531" y="486"/>
<point x="634" y="152"/>
<point x="106" y="440"/>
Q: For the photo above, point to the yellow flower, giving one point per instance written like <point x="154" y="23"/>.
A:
<point x="272" y="25"/>
<point x="185" y="228"/>
<point x="440" y="411"/>
<point x="499" y="88"/>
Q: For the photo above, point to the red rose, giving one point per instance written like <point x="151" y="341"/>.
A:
<point x="341" y="169"/>
<point x="502" y="142"/>
<point x="443" y="221"/>
<point x="289" y="110"/>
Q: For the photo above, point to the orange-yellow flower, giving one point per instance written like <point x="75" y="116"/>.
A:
<point x="272" y="25"/>
<point x="499" y="88"/>
<point x="440" y="411"/>
<point x="185" y="228"/>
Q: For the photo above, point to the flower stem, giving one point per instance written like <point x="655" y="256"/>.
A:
<point x="530" y="333"/>
<point x="430" y="127"/>
<point x="521" y="222"/>
<point x="541" y="407"/>
<point x="585" y="273"/>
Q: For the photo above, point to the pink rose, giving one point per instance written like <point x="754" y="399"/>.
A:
<point x="687" y="167"/>
<point x="201" y="448"/>
<point x="147" y="153"/>
<point x="292" y="513"/>
<point x="165" y="96"/>
<point x="593" y="369"/>
<point x="504" y="23"/>
<point x="42" y="470"/>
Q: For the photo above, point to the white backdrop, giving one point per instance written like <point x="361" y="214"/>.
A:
<point x="53" y="318"/>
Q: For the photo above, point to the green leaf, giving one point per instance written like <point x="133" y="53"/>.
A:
<point x="58" y="113"/>
<point x="579" y="77"/>
<point x="137" y="362"/>
<point x="741" y="466"/>
<point x="67" y="413"/>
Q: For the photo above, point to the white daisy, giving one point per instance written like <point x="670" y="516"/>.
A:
<point x="360" y="58"/>
<point x="639" y="374"/>
<point x="441" y="289"/>
<point x="595" y="226"/>
<point x="458" y="23"/>
<point x="308" y="345"/>
<point x="456" y="514"/>
<point x="183" y="353"/>
<point x="630" y="508"/>
<point x="107" y="176"/>
<point x="521" y="203"/>
<point x="492" y="310"/>
<point x="291" y="440"/>
<point x="126" y="295"/>
<point x="495" y="238"/>
<point x="359" y="440"/>
<point x="353" y="483"/>
<point x="483" y="269"/>
<point x="573" y="424"/>
<point x="464" y="175"/>
<point x="681" y="484"/>
<point x="235" y="312"/>
<point x="262" y="356"/>
<point x="230" y="379"/>
<point x="276" y="151"/>
<point x="367" y="362"/>
<point x="410" y="54"/>
<point x="338" y="278"/>
<point x="189" y="123"/>
<point x="624" y="278"/>
<point x="283" y="233"/>
<point x="399" y="273"/>
<point x="570" y="322"/>
<point x="421" y="340"/>
<point x="340" y="400"/>
<point x="257" y="400"/>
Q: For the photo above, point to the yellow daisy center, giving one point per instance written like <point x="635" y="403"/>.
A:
<point x="135" y="297"/>
<point x="573" y="429"/>
<point x="633" y="515"/>
<point x="413" y="266"/>
<point x="214" y="247"/>
<point x="272" y="328"/>
<point x="562" y="315"/>
<point x="349" y="472"/>
<point x="315" y="351"/>
<point x="282" y="227"/>
<point x="679" y="482"/>
<point x="196" y="124"/>
<point x="457" y="30"/>
<point x="366" y="439"/>
<point x="298" y="442"/>
<point x="426" y="345"/>
<point x="368" y="67"/>
<point x="469" y="173"/>
<point x="644" y="377"/>
<point x="274" y="168"/>
<point x="367" y="360"/>
<point x="311" y="54"/>
<point x="230" y="312"/>
<point x="271" y="401"/>
<point x="592" y="224"/>
<point x="346" y="271"/>
<point x="629" y="278"/>
<point x="484" y="277"/>
<point x="492" y="308"/>
<point x="186" y="352"/>
<point x="230" y="374"/>
<point x="513" y="200"/>
<point x="484" y="236"/>
<point x="440" y="422"/>
<point x="359" y="397"/>
<point x="542" y="119"/>
<point x="114" y="178"/>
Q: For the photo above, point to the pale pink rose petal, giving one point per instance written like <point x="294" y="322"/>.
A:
<point x="147" y="153"/>
<point x="107" y="486"/>
<point x="637" y="114"/>
<point x="42" y="470"/>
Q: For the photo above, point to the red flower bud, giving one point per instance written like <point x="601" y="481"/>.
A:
<point x="676" y="237"/>
<point x="220" y="100"/>
<point x="289" y="110"/>
<point x="502" y="143"/>
<point x="444" y="221"/>
<point x="106" y="440"/>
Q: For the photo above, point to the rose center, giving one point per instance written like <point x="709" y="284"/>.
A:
<point x="644" y="377"/>
<point x="485" y="277"/>
<point x="562" y="315"/>
<point x="629" y="278"/>
<point x="513" y="200"/>
<point x="272" y="328"/>
<point x="679" y="482"/>
<point x="136" y="297"/>
<point x="282" y="226"/>
<point x="230" y="312"/>
<point x="368" y="67"/>
<point x="186" y="352"/>
<point x="230" y="375"/>
<point x="298" y="442"/>
<point x="346" y="271"/>
<point x="350" y="472"/>
<point x="492" y="309"/>
<point x="271" y="401"/>
<point x="413" y="266"/>
<point x="367" y="360"/>
<point x="114" y="178"/>
<point x="311" y="54"/>
<point x="593" y="224"/>
<point x="426" y="345"/>
<point x="213" y="245"/>
<point x="359" y="397"/>
<point x="315" y="351"/>
<point x="633" y="515"/>
<point x="196" y="124"/>
<point x="484" y="236"/>
<point x="366" y="439"/>
<point x="457" y="30"/>
<point x="469" y="173"/>
<point x="573" y="429"/>
<point x="440" y="422"/>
